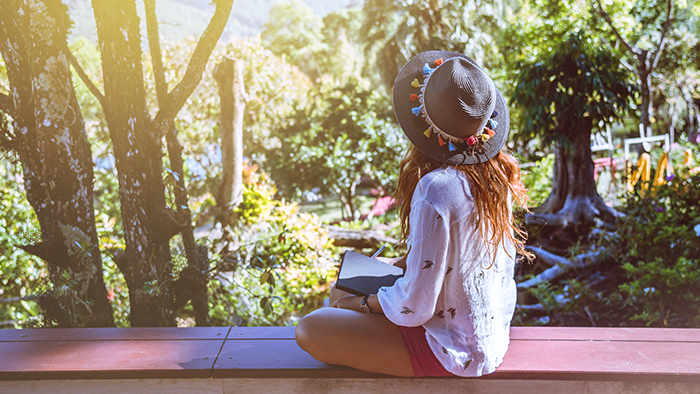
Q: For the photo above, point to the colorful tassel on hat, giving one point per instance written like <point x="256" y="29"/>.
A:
<point x="414" y="97"/>
<point x="492" y="123"/>
<point x="427" y="70"/>
<point x="494" y="114"/>
<point x="490" y="132"/>
<point x="485" y="137"/>
<point x="427" y="133"/>
<point x="438" y="62"/>
<point x="415" y="83"/>
<point x="416" y="110"/>
<point x="471" y="141"/>
<point x="440" y="141"/>
<point x="451" y="147"/>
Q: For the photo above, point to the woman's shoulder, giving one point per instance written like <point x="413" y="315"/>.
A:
<point x="444" y="187"/>
<point x="443" y="180"/>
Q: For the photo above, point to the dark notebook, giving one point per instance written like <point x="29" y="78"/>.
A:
<point x="362" y="275"/>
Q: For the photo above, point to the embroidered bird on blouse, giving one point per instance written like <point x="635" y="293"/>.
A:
<point x="428" y="264"/>
<point x="406" y="310"/>
<point x="452" y="312"/>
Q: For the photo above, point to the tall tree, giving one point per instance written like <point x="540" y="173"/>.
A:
<point x="347" y="135"/>
<point x="294" y="31"/>
<point x="397" y="30"/>
<point x="48" y="134"/>
<point x="137" y="139"/>
<point x="192" y="282"/>
<point x="579" y="87"/>
<point x="654" y="21"/>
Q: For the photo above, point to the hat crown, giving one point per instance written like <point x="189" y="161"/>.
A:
<point x="459" y="98"/>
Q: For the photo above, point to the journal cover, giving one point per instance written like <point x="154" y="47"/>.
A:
<point x="363" y="275"/>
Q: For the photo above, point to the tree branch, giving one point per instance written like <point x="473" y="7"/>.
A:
<point x="176" y="99"/>
<point x="154" y="47"/>
<point x="85" y="78"/>
<point x="13" y="300"/>
<point x="662" y="40"/>
<point x="614" y="29"/>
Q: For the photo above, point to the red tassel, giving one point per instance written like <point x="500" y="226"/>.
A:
<point x="440" y="141"/>
<point x="414" y="97"/>
<point x="438" y="62"/>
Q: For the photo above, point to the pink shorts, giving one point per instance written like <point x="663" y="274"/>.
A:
<point x="423" y="360"/>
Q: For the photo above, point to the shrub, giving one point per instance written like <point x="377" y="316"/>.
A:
<point x="21" y="274"/>
<point x="283" y="264"/>
<point x="652" y="272"/>
<point x="538" y="179"/>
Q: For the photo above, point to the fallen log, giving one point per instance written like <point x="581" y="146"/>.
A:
<point x="359" y="239"/>
<point x="560" y="265"/>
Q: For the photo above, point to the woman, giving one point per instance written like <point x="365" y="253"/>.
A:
<point x="450" y="313"/>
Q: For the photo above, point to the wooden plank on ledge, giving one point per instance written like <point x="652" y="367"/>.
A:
<point x="107" y="359"/>
<point x="605" y="334"/>
<point x="113" y="334"/>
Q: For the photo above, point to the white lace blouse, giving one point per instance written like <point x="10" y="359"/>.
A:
<point x="465" y="307"/>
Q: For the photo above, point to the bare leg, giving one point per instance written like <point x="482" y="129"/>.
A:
<point x="369" y="342"/>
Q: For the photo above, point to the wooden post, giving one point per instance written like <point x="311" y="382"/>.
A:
<point x="229" y="77"/>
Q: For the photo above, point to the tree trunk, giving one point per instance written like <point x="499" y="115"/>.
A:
<point x="148" y="222"/>
<point x="52" y="145"/>
<point x="644" y="73"/>
<point x="229" y="77"/>
<point x="192" y="282"/>
<point x="574" y="203"/>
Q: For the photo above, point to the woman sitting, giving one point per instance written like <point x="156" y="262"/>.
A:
<point x="450" y="313"/>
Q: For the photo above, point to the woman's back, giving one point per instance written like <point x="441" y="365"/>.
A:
<point x="468" y="317"/>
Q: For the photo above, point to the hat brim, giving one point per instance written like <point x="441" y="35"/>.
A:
<point x="414" y="126"/>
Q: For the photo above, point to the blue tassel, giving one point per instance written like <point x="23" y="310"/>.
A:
<point x="492" y="124"/>
<point x="451" y="147"/>
<point x="416" y="110"/>
<point x="494" y="114"/>
<point x="427" y="70"/>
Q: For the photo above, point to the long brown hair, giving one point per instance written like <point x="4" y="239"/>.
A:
<point x="490" y="182"/>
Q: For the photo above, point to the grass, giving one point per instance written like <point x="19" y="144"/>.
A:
<point x="329" y="211"/>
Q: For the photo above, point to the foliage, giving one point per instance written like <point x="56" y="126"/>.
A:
<point x="346" y="135"/>
<point x="294" y="31"/>
<point x="395" y="31"/>
<point x="538" y="179"/>
<point x="659" y="254"/>
<point x="321" y="48"/>
<point x="284" y="267"/>
<point x="577" y="84"/>
<point x="21" y="274"/>
<point x="653" y="265"/>
<point x="274" y="89"/>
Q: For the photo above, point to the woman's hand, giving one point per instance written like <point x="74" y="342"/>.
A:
<point x="351" y="302"/>
<point x="395" y="261"/>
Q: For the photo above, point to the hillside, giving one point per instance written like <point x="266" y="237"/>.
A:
<point x="182" y="18"/>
